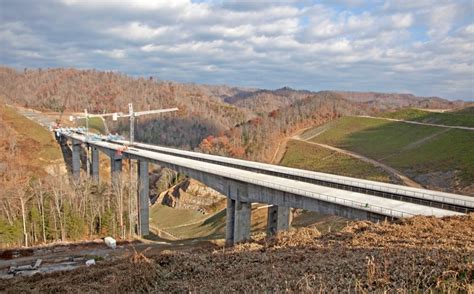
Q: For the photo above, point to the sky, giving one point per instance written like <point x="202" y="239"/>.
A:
<point x="420" y="47"/>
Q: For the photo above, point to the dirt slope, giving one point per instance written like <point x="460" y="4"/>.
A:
<point x="412" y="255"/>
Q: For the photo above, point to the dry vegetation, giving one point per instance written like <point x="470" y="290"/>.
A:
<point x="414" y="255"/>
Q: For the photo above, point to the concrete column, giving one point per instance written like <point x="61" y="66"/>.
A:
<point x="278" y="219"/>
<point x="115" y="168"/>
<point x="238" y="213"/>
<point x="94" y="164"/>
<point x="76" y="159"/>
<point x="242" y="217"/>
<point x="230" y="220"/>
<point x="143" y="198"/>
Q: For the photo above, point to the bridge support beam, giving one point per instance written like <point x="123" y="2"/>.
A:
<point x="76" y="159"/>
<point x="278" y="219"/>
<point x="115" y="169"/>
<point x="143" y="198"/>
<point x="237" y="221"/>
<point x="94" y="164"/>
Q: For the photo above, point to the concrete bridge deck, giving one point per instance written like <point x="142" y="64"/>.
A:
<point x="388" y="207"/>
<point x="242" y="187"/>
<point x="426" y="197"/>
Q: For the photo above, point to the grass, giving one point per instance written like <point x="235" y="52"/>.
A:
<point x="185" y="224"/>
<point x="36" y="139"/>
<point x="414" y="148"/>
<point x="190" y="224"/>
<point x="96" y="125"/>
<point x="463" y="117"/>
<point x="308" y="156"/>
<point x="164" y="216"/>
<point x="371" y="137"/>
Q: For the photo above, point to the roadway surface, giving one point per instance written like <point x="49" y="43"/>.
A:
<point x="437" y="199"/>
<point x="379" y="205"/>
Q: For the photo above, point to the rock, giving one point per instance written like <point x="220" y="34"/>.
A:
<point x="110" y="242"/>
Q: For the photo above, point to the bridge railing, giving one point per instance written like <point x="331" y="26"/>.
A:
<point x="328" y="198"/>
<point x="335" y="179"/>
<point x="383" y="188"/>
<point x="357" y="183"/>
<point x="324" y="197"/>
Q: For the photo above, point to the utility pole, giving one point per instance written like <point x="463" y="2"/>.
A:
<point x="132" y="123"/>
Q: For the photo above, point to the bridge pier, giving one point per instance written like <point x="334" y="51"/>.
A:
<point x="115" y="168"/>
<point x="238" y="217"/>
<point x="94" y="164"/>
<point x="76" y="159"/>
<point x="143" y="198"/>
<point x="278" y="219"/>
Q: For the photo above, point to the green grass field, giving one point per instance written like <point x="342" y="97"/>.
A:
<point x="463" y="117"/>
<point x="304" y="155"/>
<point x="413" y="148"/>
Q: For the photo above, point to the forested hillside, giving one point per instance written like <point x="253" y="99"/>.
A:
<point x="257" y="138"/>
<point x="386" y="101"/>
<point x="201" y="111"/>
<point x="240" y="122"/>
<point x="263" y="101"/>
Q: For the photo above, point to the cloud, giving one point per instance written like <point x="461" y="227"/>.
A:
<point x="115" y="53"/>
<point x="138" y="31"/>
<point x="348" y="45"/>
<point x="402" y="21"/>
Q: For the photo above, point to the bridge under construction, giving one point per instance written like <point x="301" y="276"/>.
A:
<point x="244" y="182"/>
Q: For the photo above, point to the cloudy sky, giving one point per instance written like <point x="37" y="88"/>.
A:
<point x="422" y="47"/>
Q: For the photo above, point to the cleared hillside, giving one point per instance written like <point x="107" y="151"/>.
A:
<point x="421" y="254"/>
<point x="438" y="158"/>
<point x="463" y="117"/>
<point x="308" y="156"/>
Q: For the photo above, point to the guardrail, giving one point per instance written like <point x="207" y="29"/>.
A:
<point x="315" y="195"/>
<point x="356" y="183"/>
<point x="328" y="198"/>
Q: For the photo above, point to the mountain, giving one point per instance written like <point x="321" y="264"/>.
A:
<point x="397" y="100"/>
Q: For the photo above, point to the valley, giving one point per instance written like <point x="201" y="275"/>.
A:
<point x="328" y="132"/>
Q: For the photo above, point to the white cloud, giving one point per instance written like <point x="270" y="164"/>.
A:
<point x="441" y="19"/>
<point x="115" y="53"/>
<point x="402" y="21"/>
<point x="379" y="46"/>
<point x="138" y="31"/>
<point x="129" y="4"/>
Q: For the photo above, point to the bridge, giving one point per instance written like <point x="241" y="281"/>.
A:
<point x="244" y="182"/>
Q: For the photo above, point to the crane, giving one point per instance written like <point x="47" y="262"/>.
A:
<point x="116" y="115"/>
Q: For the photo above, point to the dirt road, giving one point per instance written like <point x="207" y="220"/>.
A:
<point x="279" y="153"/>
<point x="406" y="180"/>
<point x="419" y="123"/>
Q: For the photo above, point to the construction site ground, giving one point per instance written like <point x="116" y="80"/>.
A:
<point x="412" y="255"/>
